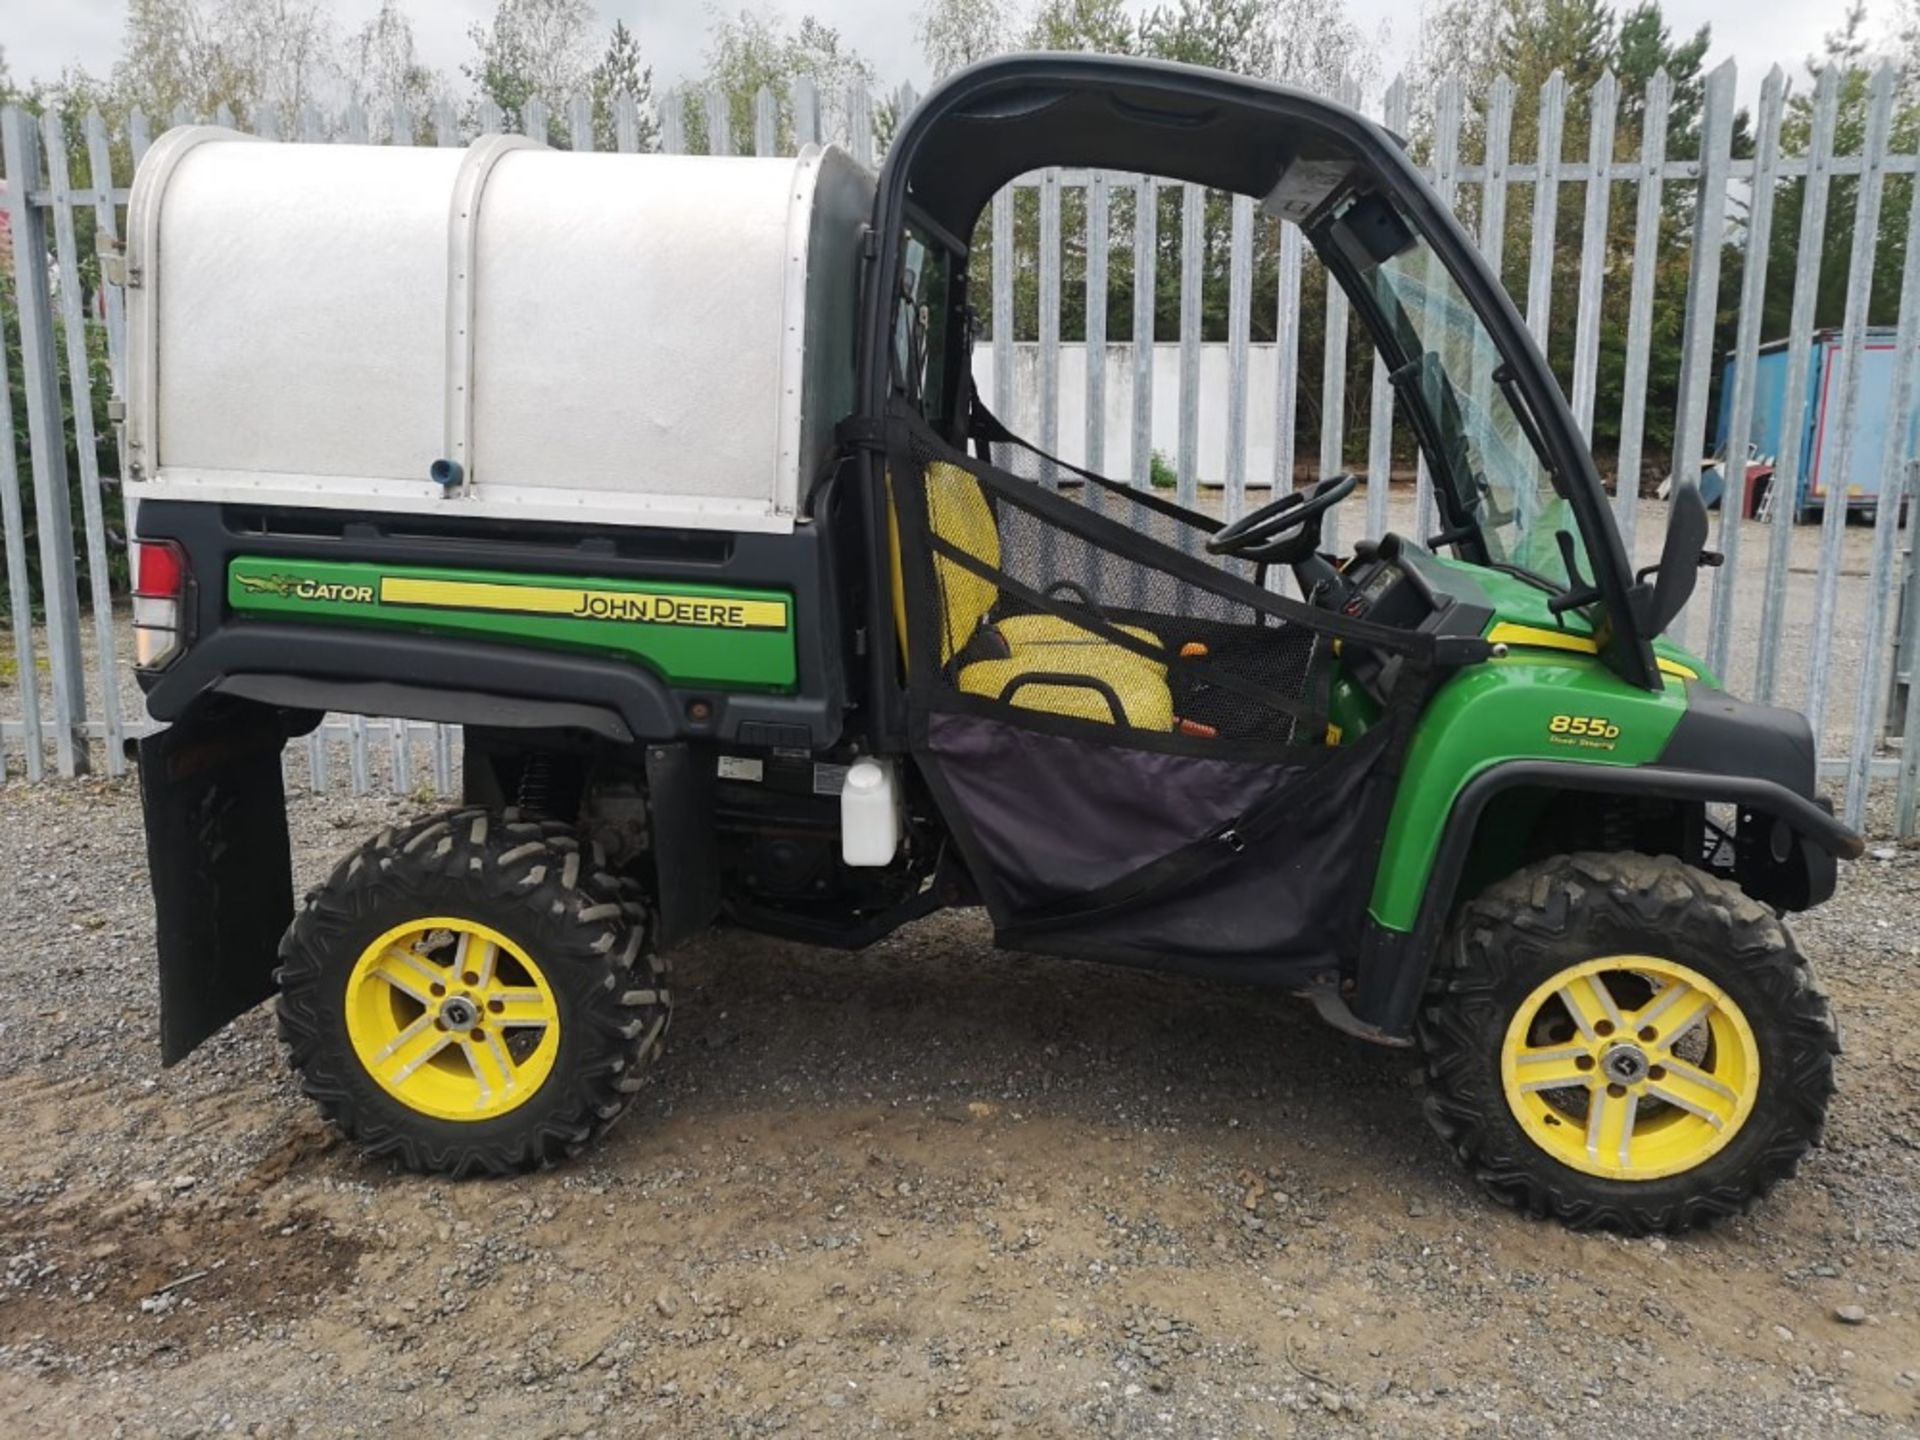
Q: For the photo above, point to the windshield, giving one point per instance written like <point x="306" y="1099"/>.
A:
<point x="1495" y="470"/>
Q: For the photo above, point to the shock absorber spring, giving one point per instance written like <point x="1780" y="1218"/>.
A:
<point x="1618" y="829"/>
<point x="535" y="794"/>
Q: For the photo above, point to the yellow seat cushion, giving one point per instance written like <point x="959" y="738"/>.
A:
<point x="1037" y="644"/>
<point x="1137" y="683"/>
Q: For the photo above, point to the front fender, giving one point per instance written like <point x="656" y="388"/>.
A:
<point x="1793" y="857"/>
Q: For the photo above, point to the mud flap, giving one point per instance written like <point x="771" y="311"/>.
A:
<point x="680" y="784"/>
<point x="221" y="866"/>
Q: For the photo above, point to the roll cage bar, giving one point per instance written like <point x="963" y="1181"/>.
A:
<point x="1004" y="117"/>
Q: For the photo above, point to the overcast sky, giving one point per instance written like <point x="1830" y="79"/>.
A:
<point x="41" y="36"/>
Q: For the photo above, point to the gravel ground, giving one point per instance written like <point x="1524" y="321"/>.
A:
<point x="930" y="1188"/>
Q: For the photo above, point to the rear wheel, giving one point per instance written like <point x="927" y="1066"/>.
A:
<point x="472" y="994"/>
<point x="1625" y="1042"/>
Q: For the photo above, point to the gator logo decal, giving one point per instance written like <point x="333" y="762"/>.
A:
<point x="296" y="587"/>
<point x="281" y="585"/>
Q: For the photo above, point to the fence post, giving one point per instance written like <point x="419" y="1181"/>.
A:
<point x="106" y="231"/>
<point x="13" y="534"/>
<point x="1146" y="248"/>
<point x="47" y="442"/>
<point x="580" y="125"/>
<point x="1883" y="572"/>
<point x="1193" y="206"/>
<point x="766" y="123"/>
<point x="1646" y="246"/>
<point x="1003" y="303"/>
<point x="1746" y="349"/>
<point x="1546" y="205"/>
<point x="1049" y="317"/>
<point x="673" y="124"/>
<point x="806" y="112"/>
<point x="535" y="124"/>
<point x="1239" y="338"/>
<point x="1703" y="284"/>
<point x="73" y="322"/>
<point x="1098" y="239"/>
<point x="1593" y="249"/>
<point x="1837" y="461"/>
<point x="1286" y="359"/>
<point x="1907" y="793"/>
<point x="860" y="123"/>
<point x="626" y="123"/>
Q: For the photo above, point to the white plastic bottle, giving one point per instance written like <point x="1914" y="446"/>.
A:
<point x="870" y="813"/>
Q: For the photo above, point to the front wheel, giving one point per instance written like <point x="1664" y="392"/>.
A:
<point x="1624" y="1042"/>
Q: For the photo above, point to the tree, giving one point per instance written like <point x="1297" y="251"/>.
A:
<point x="953" y="34"/>
<point x="1098" y="26"/>
<point x="254" y="56"/>
<point x="532" y="50"/>
<point x="622" y="71"/>
<point x="1235" y="35"/>
<point x="1847" y="56"/>
<point x="1317" y="45"/>
<point x="753" y="51"/>
<point x="385" y="73"/>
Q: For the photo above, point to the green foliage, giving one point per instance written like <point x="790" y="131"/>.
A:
<point x="955" y="33"/>
<point x="100" y="385"/>
<point x="533" y="50"/>
<point x="1221" y="34"/>
<point x="623" y="71"/>
<point x="752" y="51"/>
<point x="1096" y="26"/>
<point x="385" y="74"/>
<point x="1846" y="58"/>
<point x="1162" y="473"/>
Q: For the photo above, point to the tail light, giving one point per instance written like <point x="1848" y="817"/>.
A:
<point x="160" y="577"/>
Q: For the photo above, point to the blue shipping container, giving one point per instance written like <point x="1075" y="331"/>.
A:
<point x="1876" y="412"/>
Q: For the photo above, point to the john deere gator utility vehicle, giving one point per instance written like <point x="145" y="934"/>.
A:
<point x="666" y="479"/>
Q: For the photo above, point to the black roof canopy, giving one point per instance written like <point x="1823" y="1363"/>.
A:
<point x="1005" y="117"/>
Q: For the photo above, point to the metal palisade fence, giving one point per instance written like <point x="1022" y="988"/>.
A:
<point x="1622" y="214"/>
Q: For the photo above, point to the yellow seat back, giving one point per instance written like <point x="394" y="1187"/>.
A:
<point x="959" y="514"/>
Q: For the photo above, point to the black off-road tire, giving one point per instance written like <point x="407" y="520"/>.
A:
<point x="1560" y="912"/>
<point x="532" y="880"/>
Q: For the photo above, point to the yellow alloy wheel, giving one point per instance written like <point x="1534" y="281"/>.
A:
<point x="1630" y="1067"/>
<point x="452" y="1019"/>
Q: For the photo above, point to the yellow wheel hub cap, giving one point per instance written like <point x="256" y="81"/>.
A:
<point x="1630" y="1067"/>
<point x="452" y="1018"/>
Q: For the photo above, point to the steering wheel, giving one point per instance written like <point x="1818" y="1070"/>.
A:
<point x="1284" y="531"/>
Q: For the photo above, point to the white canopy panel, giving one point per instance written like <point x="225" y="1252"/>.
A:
<point x="627" y="339"/>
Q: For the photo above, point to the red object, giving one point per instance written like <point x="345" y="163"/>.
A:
<point x="160" y="570"/>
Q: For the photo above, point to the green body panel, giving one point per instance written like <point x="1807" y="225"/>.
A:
<point x="688" y="634"/>
<point x="1532" y="705"/>
<point x="1515" y="602"/>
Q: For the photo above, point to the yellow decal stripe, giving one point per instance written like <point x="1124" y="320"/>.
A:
<point x="718" y="612"/>
<point x="1507" y="633"/>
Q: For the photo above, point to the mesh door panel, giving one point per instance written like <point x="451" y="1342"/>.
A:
<point x="1073" y="606"/>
